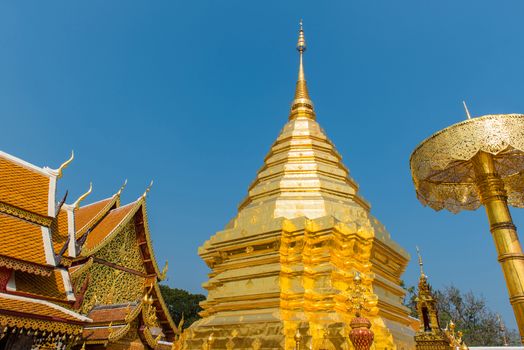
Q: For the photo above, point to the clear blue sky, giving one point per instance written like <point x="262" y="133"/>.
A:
<point x="192" y="94"/>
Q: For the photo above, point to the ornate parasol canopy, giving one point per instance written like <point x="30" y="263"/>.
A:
<point x="442" y="169"/>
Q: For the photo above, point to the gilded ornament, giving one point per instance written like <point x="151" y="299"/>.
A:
<point x="163" y="274"/>
<point x="65" y="164"/>
<point x="76" y="204"/>
<point x="479" y="161"/>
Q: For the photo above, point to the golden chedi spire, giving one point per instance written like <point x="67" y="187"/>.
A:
<point x="302" y="105"/>
<point x="285" y="263"/>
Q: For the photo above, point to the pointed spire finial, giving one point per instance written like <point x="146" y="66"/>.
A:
<point x="302" y="104"/>
<point x="301" y="44"/>
<point x="466" y="109"/>
<point x="420" y="263"/>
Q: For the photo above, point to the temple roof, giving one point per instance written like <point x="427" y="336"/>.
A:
<point x="113" y="313"/>
<point x="88" y="215"/>
<point x="107" y="226"/>
<point x="54" y="287"/>
<point x="28" y="191"/>
<point x="24" y="186"/>
<point x="111" y="322"/>
<point x="60" y="230"/>
<point x="23" y="243"/>
<point x="104" y="229"/>
<point x="18" y="305"/>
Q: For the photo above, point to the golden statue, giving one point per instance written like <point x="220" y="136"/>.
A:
<point x="477" y="162"/>
<point x="285" y="263"/>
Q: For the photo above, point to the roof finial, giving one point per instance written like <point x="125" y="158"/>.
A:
<point x="65" y="164"/>
<point x="147" y="189"/>
<point x="420" y="263"/>
<point x="76" y="204"/>
<point x="302" y="104"/>
<point x="122" y="188"/>
<point x="467" y="110"/>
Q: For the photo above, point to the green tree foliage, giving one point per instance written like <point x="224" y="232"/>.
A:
<point x="471" y="315"/>
<point x="181" y="302"/>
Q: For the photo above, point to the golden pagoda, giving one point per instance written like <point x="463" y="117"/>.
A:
<point x="285" y="265"/>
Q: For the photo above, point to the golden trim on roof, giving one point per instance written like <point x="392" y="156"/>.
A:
<point x="25" y="215"/>
<point x="134" y="313"/>
<point x="19" y="265"/>
<point x="120" y="333"/>
<point x="165" y="309"/>
<point x="129" y="211"/>
<point x="152" y="342"/>
<point x="79" y="269"/>
<point x="147" y="235"/>
<point x="44" y="325"/>
<point x="140" y="203"/>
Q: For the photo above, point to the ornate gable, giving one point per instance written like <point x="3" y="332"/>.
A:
<point x="117" y="266"/>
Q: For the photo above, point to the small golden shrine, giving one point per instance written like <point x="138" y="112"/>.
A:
<point x="430" y="336"/>
<point x="287" y="261"/>
<point x="75" y="276"/>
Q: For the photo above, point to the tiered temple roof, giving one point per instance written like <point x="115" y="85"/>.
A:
<point x="60" y="264"/>
<point x="35" y="288"/>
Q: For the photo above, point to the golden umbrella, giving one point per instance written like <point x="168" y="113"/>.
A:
<point x="480" y="161"/>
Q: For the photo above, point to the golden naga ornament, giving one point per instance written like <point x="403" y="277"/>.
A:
<point x="479" y="161"/>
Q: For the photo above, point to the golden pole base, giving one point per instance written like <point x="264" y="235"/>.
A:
<point x="504" y="232"/>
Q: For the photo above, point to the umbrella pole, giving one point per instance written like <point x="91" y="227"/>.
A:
<point x="494" y="198"/>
